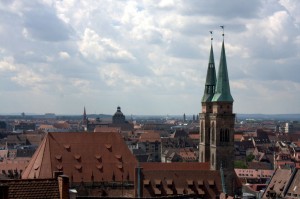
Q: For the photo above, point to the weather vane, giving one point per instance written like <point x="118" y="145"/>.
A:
<point x="223" y="30"/>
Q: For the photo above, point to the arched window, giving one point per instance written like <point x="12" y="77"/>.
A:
<point x="221" y="135"/>
<point x="202" y="132"/>
<point x="208" y="133"/>
<point x="213" y="133"/>
<point x="224" y="135"/>
<point x="227" y="135"/>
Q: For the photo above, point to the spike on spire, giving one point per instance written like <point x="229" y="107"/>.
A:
<point x="222" y="88"/>
<point x="223" y="31"/>
<point x="210" y="83"/>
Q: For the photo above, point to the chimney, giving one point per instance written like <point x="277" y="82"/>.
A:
<point x="63" y="184"/>
<point x="55" y="174"/>
<point x="3" y="191"/>
<point x="138" y="182"/>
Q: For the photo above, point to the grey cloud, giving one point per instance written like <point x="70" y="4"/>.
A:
<point x="43" y="24"/>
<point x="224" y="10"/>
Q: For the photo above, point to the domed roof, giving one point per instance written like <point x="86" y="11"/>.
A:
<point x="119" y="112"/>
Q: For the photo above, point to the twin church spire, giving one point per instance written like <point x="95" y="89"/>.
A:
<point x="217" y="89"/>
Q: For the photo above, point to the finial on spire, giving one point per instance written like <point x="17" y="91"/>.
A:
<point x="211" y="35"/>
<point x="223" y="30"/>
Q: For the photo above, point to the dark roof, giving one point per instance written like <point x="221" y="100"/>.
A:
<point x="293" y="187"/>
<point x="259" y="165"/>
<point x="34" y="188"/>
<point x="210" y="83"/>
<point x="179" y="133"/>
<point x="244" y="145"/>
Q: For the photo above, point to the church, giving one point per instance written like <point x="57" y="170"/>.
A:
<point x="216" y="144"/>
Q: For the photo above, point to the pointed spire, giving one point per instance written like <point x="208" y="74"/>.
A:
<point x="222" y="89"/>
<point x="84" y="116"/>
<point x="210" y="82"/>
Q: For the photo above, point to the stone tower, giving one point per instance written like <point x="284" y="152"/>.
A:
<point x="217" y="122"/>
<point x="209" y="91"/>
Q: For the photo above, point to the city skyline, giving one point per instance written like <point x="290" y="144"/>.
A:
<point x="148" y="57"/>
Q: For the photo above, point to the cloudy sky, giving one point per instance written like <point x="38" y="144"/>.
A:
<point x="149" y="57"/>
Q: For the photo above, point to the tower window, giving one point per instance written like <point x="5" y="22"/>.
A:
<point x="202" y="132"/>
<point x="213" y="134"/>
<point x="224" y="135"/>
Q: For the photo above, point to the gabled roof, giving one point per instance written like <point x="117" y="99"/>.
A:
<point x="222" y="93"/>
<point x="83" y="157"/>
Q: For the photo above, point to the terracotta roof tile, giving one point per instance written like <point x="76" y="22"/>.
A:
<point x="45" y="188"/>
<point x="180" y="178"/>
<point x="175" y="166"/>
<point x="101" y="155"/>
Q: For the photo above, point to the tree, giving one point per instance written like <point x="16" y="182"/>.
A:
<point x="239" y="164"/>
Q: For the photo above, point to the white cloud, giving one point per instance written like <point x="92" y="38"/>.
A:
<point x="147" y="52"/>
<point x="7" y="64"/>
<point x="93" y="46"/>
<point x="64" y="55"/>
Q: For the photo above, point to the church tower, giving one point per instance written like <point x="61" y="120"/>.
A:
<point x="217" y="123"/>
<point x="209" y="91"/>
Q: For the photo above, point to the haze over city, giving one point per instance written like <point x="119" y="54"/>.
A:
<point x="149" y="57"/>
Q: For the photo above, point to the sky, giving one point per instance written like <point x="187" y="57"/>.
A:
<point x="149" y="57"/>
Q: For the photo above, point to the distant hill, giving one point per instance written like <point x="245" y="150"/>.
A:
<point x="269" y="116"/>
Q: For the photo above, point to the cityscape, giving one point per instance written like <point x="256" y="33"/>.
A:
<point x="136" y="99"/>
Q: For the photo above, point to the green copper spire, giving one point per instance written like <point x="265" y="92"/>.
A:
<point x="223" y="89"/>
<point x="210" y="83"/>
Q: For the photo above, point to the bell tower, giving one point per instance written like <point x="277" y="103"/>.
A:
<point x="217" y="123"/>
<point x="209" y="91"/>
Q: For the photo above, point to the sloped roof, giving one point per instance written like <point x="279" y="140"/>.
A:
<point x="277" y="183"/>
<point x="150" y="136"/>
<point x="293" y="188"/>
<point x="34" y="188"/>
<point x="167" y="179"/>
<point x="83" y="157"/>
<point x="210" y="82"/>
<point x="100" y="129"/>
<point x="222" y="93"/>
<point x="183" y="166"/>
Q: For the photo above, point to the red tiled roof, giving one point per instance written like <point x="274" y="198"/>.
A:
<point x="183" y="166"/>
<point x="150" y="136"/>
<point x="83" y="157"/>
<point x="178" y="179"/>
<point x="34" y="188"/>
<point x="101" y="129"/>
